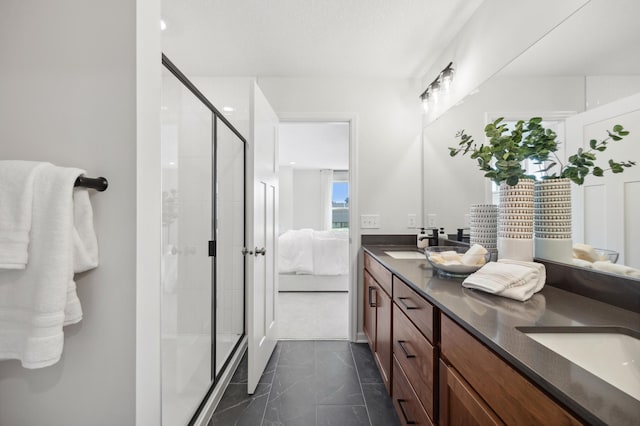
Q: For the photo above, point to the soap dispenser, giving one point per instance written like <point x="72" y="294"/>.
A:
<point x="442" y="236"/>
<point x="423" y="241"/>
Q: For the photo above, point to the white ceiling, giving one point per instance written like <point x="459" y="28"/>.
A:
<point x="312" y="38"/>
<point x="602" y="38"/>
<point x="314" y="145"/>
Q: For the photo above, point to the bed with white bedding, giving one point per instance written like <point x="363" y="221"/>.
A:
<point x="310" y="260"/>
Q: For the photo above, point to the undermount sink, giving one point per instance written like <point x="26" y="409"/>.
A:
<point x="405" y="254"/>
<point x="610" y="353"/>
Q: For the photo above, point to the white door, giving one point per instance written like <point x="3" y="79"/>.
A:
<point x="605" y="209"/>
<point x="262" y="231"/>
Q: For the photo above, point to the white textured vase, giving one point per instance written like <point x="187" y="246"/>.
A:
<point x="484" y="227"/>
<point x="515" y="221"/>
<point x="552" y="220"/>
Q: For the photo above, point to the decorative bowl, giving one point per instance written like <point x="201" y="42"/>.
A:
<point x="604" y="254"/>
<point x="437" y="257"/>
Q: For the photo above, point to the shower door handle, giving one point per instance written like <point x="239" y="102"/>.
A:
<point x="261" y="251"/>
<point x="245" y="251"/>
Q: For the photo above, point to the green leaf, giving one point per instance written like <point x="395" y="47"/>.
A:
<point x="592" y="143"/>
<point x="512" y="180"/>
<point x="597" y="171"/>
<point x="617" y="128"/>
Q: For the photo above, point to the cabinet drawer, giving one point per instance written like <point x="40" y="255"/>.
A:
<point x="418" y="310"/>
<point x="416" y="357"/>
<point x="381" y="274"/>
<point x="513" y="398"/>
<point x="405" y="401"/>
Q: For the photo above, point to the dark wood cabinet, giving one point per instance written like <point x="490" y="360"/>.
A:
<point x="371" y="290"/>
<point x="378" y="315"/>
<point x="509" y="395"/>
<point x="436" y="371"/>
<point x="405" y="400"/>
<point x="460" y="404"/>
<point x="415" y="307"/>
<point x="415" y="355"/>
<point x="383" y="342"/>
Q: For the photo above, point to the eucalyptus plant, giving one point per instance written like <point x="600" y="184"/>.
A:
<point x="502" y="158"/>
<point x="582" y="163"/>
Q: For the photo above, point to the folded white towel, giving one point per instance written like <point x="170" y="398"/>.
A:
<point x="514" y="279"/>
<point x="16" y="197"/>
<point x="36" y="302"/>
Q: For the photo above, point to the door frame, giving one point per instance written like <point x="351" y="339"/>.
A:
<point x="354" y="223"/>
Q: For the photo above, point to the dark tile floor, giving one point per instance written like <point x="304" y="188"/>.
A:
<point x="309" y="383"/>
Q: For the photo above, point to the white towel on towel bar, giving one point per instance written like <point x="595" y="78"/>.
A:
<point x="35" y="303"/>
<point x="16" y="196"/>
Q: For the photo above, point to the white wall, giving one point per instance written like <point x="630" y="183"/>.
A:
<point x="603" y="89"/>
<point x="68" y="84"/>
<point x="388" y="137"/>
<point x="453" y="184"/>
<point x="286" y="199"/>
<point x="497" y="33"/>
<point x="307" y="199"/>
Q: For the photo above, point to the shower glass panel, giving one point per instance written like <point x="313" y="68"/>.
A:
<point x="187" y="140"/>
<point x="229" y="236"/>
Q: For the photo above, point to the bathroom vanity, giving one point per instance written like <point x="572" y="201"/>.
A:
<point x="459" y="356"/>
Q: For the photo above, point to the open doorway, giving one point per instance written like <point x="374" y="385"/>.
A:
<point x="313" y="259"/>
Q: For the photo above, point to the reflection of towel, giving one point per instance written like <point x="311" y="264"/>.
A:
<point x="514" y="279"/>
<point x="36" y="302"/>
<point x="614" y="268"/>
<point x="16" y="196"/>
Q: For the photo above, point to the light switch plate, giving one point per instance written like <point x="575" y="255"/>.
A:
<point x="411" y="221"/>
<point x="431" y="220"/>
<point x="369" y="221"/>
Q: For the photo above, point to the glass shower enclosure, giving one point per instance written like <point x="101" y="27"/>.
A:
<point x="203" y="283"/>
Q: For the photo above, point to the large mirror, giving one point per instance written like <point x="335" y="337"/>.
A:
<point x="583" y="77"/>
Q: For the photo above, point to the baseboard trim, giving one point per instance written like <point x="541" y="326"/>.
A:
<point x="361" y="337"/>
<point x="215" y="397"/>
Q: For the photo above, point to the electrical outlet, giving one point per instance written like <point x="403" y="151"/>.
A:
<point x="431" y="220"/>
<point x="370" y="221"/>
<point x="411" y="221"/>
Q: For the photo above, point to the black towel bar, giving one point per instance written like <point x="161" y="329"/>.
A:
<point x="99" y="184"/>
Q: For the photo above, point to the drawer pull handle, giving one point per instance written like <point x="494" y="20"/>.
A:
<point x="402" y="299"/>
<point x="371" y="303"/>
<point x="404" y="414"/>
<point x="406" y="353"/>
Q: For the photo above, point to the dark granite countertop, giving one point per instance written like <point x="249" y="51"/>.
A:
<point x="494" y="320"/>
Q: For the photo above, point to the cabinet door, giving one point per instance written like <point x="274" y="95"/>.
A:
<point x="459" y="404"/>
<point x="505" y="390"/>
<point x="370" y="299"/>
<point x="383" y="340"/>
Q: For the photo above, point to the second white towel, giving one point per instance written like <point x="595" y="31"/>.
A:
<point x="514" y="279"/>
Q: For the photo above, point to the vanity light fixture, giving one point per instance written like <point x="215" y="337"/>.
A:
<point x="441" y="83"/>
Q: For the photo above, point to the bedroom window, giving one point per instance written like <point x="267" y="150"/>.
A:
<point x="340" y="203"/>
